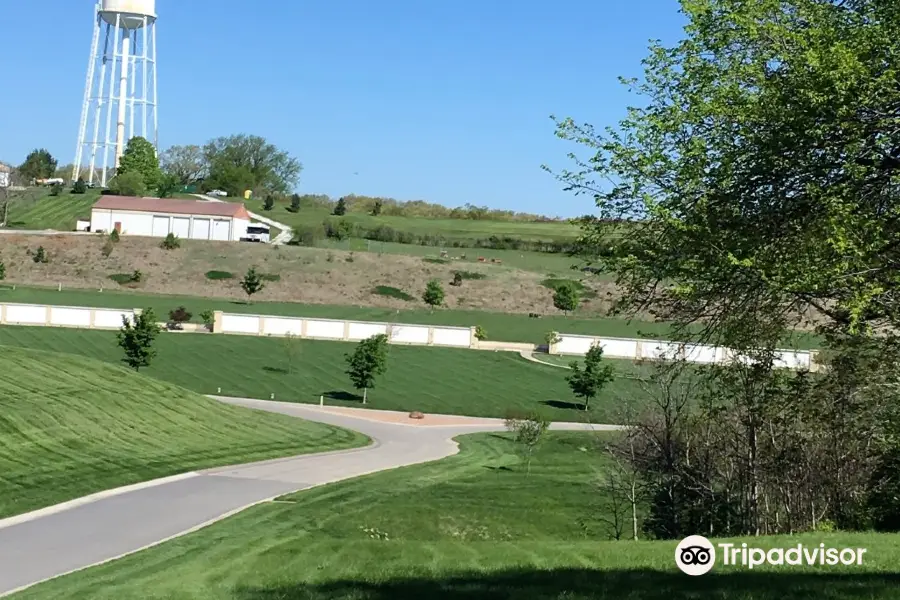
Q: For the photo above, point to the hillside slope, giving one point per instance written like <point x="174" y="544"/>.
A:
<point x="71" y="426"/>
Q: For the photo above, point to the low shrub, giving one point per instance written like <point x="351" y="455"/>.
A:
<point x="171" y="242"/>
<point x="2" y="271"/>
<point x="469" y="275"/>
<point x="392" y="292"/>
<point x="480" y="333"/>
<point x="137" y="276"/>
<point x="436" y="261"/>
<point x="308" y="236"/>
<point x="180" y="315"/>
<point x="80" y="186"/>
<point x="339" y="229"/>
<point x="114" y="236"/>
<point x="457" y="280"/>
<point x="209" y="318"/>
<point x="121" y="278"/>
<point x="270" y="277"/>
<point x="107" y="248"/>
<point x="218" y="275"/>
<point x="583" y="291"/>
<point x="40" y="256"/>
<point x="349" y="258"/>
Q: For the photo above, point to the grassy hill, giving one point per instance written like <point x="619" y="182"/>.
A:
<point x="71" y="426"/>
<point x="472" y="526"/>
<point x="435" y="380"/>
<point x="37" y="209"/>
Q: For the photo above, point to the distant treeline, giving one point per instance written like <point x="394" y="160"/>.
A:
<point x="422" y="209"/>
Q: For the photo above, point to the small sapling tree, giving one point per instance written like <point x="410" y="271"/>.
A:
<point x="252" y="283"/>
<point x="137" y="338"/>
<point x="588" y="381"/>
<point x="367" y="360"/>
<point x="434" y="294"/>
<point x="566" y="298"/>
<point x="528" y="431"/>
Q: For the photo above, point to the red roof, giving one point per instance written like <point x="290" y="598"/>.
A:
<point x="171" y="205"/>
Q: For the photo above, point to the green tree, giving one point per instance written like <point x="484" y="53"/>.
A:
<point x="376" y="208"/>
<point x="80" y="186"/>
<point x="269" y="202"/>
<point x="721" y="226"/>
<point x="39" y="164"/>
<point x="186" y="164"/>
<point x="137" y="338"/>
<point x="56" y="189"/>
<point x="128" y="184"/>
<point x="368" y="360"/>
<point x="140" y="157"/>
<point x="231" y="178"/>
<point x="528" y="431"/>
<point x="292" y="349"/>
<point x="434" y="294"/>
<point x="252" y="283"/>
<point x="340" y="209"/>
<point x="295" y="203"/>
<point x="590" y="380"/>
<point x="249" y="157"/>
<point x="40" y="256"/>
<point x="566" y="297"/>
<point x="167" y="186"/>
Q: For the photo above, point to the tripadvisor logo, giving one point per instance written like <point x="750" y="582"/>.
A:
<point x="696" y="555"/>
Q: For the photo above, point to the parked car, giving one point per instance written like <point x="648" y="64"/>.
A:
<point x="217" y="193"/>
<point x="257" y="233"/>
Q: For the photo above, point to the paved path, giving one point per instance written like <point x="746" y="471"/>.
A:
<point x="110" y="527"/>
<point x="282" y="238"/>
<point x="529" y="355"/>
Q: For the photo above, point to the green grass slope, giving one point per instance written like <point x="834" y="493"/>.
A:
<point x="71" y="426"/>
<point x="40" y="210"/>
<point x="432" y="380"/>
<point x="473" y="526"/>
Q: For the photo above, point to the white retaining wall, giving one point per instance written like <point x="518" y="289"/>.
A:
<point x="424" y="335"/>
<point x="578" y="345"/>
<point x="63" y="316"/>
<point x="330" y="329"/>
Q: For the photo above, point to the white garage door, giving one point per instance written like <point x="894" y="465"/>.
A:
<point x="181" y="226"/>
<point x="221" y="230"/>
<point x="160" y="226"/>
<point x="201" y="229"/>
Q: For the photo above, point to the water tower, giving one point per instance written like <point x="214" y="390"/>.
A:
<point x="123" y="50"/>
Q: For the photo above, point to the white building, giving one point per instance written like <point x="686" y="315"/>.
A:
<point x="156" y="217"/>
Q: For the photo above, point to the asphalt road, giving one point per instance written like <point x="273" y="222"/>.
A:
<point x="111" y="527"/>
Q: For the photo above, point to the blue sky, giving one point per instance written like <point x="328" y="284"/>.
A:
<point x="429" y="99"/>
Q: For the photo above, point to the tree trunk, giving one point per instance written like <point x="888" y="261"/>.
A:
<point x="365" y="394"/>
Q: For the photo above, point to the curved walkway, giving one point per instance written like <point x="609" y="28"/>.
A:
<point x="109" y="525"/>
<point x="529" y="356"/>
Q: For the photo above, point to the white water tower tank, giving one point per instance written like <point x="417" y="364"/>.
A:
<point x="131" y="12"/>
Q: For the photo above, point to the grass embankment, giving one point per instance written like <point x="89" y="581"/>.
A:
<point x="432" y="380"/>
<point x="448" y="228"/>
<point x="505" y="327"/>
<point x="37" y="209"/>
<point x="72" y="426"/>
<point x="472" y="526"/>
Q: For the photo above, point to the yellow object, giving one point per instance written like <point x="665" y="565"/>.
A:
<point x="247" y="194"/>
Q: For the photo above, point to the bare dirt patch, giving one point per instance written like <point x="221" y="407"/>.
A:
<point x="307" y="275"/>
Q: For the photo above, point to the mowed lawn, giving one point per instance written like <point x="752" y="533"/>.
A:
<point x="473" y="526"/>
<point x="449" y="228"/>
<point x="499" y="326"/>
<point x="39" y="210"/>
<point x="71" y="426"/>
<point x="432" y="380"/>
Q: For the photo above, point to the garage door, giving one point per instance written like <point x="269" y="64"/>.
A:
<point x="221" y="230"/>
<point x="160" y="226"/>
<point x="181" y="226"/>
<point x="201" y="229"/>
